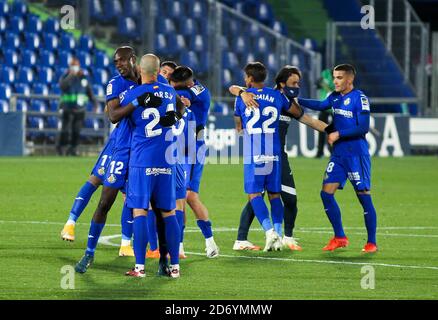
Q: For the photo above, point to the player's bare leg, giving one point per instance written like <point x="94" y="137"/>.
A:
<point x="201" y="214"/>
<point x="334" y="214"/>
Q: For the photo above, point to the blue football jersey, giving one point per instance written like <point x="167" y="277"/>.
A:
<point x="261" y="125"/>
<point x="199" y="97"/>
<point x="151" y="141"/>
<point x="185" y="133"/>
<point x="346" y="111"/>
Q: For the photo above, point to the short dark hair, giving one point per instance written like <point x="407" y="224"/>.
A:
<point x="170" y="64"/>
<point x="128" y="50"/>
<point x="181" y="74"/>
<point x="348" y="68"/>
<point x="285" y="73"/>
<point x="257" y="71"/>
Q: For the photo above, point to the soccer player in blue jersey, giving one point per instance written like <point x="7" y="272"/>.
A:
<point x="116" y="170"/>
<point x="151" y="166"/>
<point x="167" y="68"/>
<point x="350" y="157"/>
<point x="182" y="79"/>
<point x="287" y="82"/>
<point x="262" y="150"/>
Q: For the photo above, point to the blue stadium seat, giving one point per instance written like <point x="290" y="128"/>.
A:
<point x="180" y="43"/>
<point x="28" y="58"/>
<point x="264" y="13"/>
<point x="47" y="59"/>
<point x="131" y="8"/>
<point x="98" y="90"/>
<point x="59" y="72"/>
<point x="224" y="43"/>
<point x="22" y="105"/>
<point x="16" y="25"/>
<point x="10" y="58"/>
<point x="19" y="8"/>
<point x="53" y="105"/>
<point x="176" y="10"/>
<point x="35" y="122"/>
<point x="22" y="88"/>
<point x="12" y="41"/>
<point x="190" y="58"/>
<point x="86" y="43"/>
<point x="198" y="43"/>
<point x="112" y="9"/>
<point x="96" y="10"/>
<point x="4" y="8"/>
<point x="128" y="27"/>
<point x="92" y="123"/>
<point x="280" y="27"/>
<point x="5" y="91"/>
<point x="64" y="58"/>
<point x="229" y="60"/>
<point x="46" y="75"/>
<point x="227" y="78"/>
<point x="165" y="26"/>
<point x="240" y="44"/>
<point x="38" y="106"/>
<point x="84" y="58"/>
<point x="161" y="44"/>
<point x="253" y="30"/>
<point x="198" y="10"/>
<point x="25" y="75"/>
<point x="3" y="24"/>
<point x="33" y="24"/>
<point x="4" y="106"/>
<point x="101" y="60"/>
<point x="40" y="88"/>
<point x="249" y="57"/>
<point x="51" y="41"/>
<point x="32" y="41"/>
<point x="54" y="88"/>
<point x="7" y="74"/>
<point x="53" y="122"/>
<point x="272" y="62"/>
<point x="262" y="45"/>
<point x="100" y="76"/>
<point x="51" y="26"/>
<point x="188" y="27"/>
<point x="67" y="42"/>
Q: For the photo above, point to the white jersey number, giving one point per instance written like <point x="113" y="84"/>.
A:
<point x="149" y="128"/>
<point x="273" y="112"/>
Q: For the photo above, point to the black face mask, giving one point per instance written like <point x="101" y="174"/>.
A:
<point x="291" y="92"/>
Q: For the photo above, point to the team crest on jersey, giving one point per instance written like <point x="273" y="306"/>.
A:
<point x="198" y="89"/>
<point x="347" y="102"/>
<point x="156" y="87"/>
<point x="112" y="178"/>
<point x="109" y="89"/>
<point x="101" y="171"/>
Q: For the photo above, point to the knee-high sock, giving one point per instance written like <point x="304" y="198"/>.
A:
<point x="261" y="212"/>
<point x="127" y="222"/>
<point x="277" y="212"/>
<point x="161" y="238"/>
<point x="290" y="212"/>
<point x="205" y="227"/>
<point x="152" y="230"/>
<point x="333" y="213"/>
<point x="93" y="237"/>
<point x="140" y="239"/>
<point x="370" y="216"/>
<point x="81" y="201"/>
<point x="180" y="218"/>
<point x="246" y="219"/>
<point x="173" y="236"/>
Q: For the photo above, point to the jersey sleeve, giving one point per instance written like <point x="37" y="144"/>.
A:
<point x="284" y="102"/>
<point x="316" y="104"/>
<point x="363" y="105"/>
<point x="362" y="114"/>
<point x="237" y="107"/>
<point x="112" y="90"/>
<point x="128" y="96"/>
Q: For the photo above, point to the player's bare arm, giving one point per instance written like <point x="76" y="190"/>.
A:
<point x="298" y="113"/>
<point x="116" y="112"/>
<point x="238" y="124"/>
<point x="247" y="97"/>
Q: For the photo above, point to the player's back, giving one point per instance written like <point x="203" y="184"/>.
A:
<point x="150" y="140"/>
<point x="261" y="125"/>
<point x="199" y="97"/>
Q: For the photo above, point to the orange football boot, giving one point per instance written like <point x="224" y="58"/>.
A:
<point x="370" y="248"/>
<point x="335" y="243"/>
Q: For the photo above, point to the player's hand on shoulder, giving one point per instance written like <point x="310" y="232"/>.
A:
<point x="249" y="99"/>
<point x="149" y="100"/>
<point x="186" y="101"/>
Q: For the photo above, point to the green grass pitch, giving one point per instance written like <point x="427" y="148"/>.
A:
<point x="36" y="195"/>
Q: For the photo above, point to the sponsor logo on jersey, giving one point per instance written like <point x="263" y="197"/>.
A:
<point x="198" y="89"/>
<point x="158" y="171"/>
<point x="109" y="89"/>
<point x="101" y="171"/>
<point x="355" y="176"/>
<point x="285" y="118"/>
<point x="347" y="102"/>
<point x="112" y="178"/>
<point x="345" y="113"/>
<point x="265" y="159"/>
<point x="156" y="87"/>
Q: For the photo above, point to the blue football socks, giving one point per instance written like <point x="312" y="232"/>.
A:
<point x="173" y="237"/>
<point x="152" y="230"/>
<point x="93" y="237"/>
<point x="81" y="201"/>
<point x="333" y="213"/>
<point x="261" y="211"/>
<point x="277" y="212"/>
<point x="140" y="239"/>
<point x="369" y="216"/>
<point x="205" y="227"/>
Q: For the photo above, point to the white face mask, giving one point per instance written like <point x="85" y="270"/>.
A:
<point x="75" y="69"/>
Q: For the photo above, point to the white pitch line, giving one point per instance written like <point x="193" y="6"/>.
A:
<point x="321" y="261"/>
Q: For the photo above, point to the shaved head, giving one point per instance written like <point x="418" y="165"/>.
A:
<point x="150" y="65"/>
